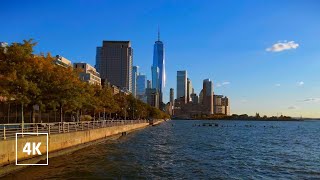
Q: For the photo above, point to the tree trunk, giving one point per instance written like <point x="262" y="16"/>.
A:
<point x="33" y="115"/>
<point x="9" y="113"/>
<point x="22" y="117"/>
<point x="61" y="113"/>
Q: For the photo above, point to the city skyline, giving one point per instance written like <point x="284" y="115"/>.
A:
<point x="264" y="58"/>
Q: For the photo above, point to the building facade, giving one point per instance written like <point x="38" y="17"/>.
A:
<point x="158" y="71"/>
<point x="141" y="87"/>
<point x="87" y="73"/>
<point x="182" y="85"/>
<point x="189" y="90"/>
<point x="114" y="63"/>
<point x="172" y="96"/>
<point x="194" y="98"/>
<point x="135" y="72"/>
<point x="62" y="61"/>
<point x="152" y="97"/>
<point x="221" y="105"/>
<point x="148" y="84"/>
<point x="207" y="95"/>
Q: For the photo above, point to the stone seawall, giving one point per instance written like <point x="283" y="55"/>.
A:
<point x="57" y="142"/>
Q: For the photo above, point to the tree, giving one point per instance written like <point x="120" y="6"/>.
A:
<point x="17" y="72"/>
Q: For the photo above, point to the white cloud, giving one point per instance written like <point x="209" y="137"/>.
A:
<point x="311" y="100"/>
<point x="281" y="46"/>
<point x="300" y="83"/>
<point x="278" y="85"/>
<point x="292" y="107"/>
<point x="223" y="83"/>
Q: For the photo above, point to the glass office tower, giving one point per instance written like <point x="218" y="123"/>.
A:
<point x="158" y="68"/>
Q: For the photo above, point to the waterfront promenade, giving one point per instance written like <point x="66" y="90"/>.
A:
<point x="61" y="137"/>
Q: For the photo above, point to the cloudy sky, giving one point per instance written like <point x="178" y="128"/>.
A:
<point x="263" y="55"/>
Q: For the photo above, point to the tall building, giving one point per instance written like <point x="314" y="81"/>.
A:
<point x="114" y="63"/>
<point x="148" y="84"/>
<point x="152" y="97"/>
<point x="226" y="103"/>
<point x="135" y="72"/>
<point x="172" y="96"/>
<point x="98" y="57"/>
<point x="87" y="73"/>
<point x="182" y="85"/>
<point x="207" y="95"/>
<point x="158" y="67"/>
<point x="189" y="90"/>
<point x="194" y="98"/>
<point x="141" y="87"/>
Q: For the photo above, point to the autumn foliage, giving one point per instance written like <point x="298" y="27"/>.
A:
<point x="29" y="79"/>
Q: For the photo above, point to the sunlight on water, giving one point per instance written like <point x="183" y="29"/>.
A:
<point x="179" y="149"/>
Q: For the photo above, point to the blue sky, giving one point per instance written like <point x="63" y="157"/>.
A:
<point x="225" y="41"/>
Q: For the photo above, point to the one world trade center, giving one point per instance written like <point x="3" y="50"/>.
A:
<point x="158" y="68"/>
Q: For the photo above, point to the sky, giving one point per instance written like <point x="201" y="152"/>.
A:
<point x="263" y="55"/>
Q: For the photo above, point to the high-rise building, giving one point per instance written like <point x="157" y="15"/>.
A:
<point x="171" y="103"/>
<point x="182" y="85"/>
<point x="158" y="67"/>
<point x="148" y="84"/>
<point x="141" y="87"/>
<point x="152" y="97"/>
<point x="189" y="90"/>
<point x="194" y="98"/>
<point x="135" y="72"/>
<point x="172" y="96"/>
<point x="207" y="95"/>
<point x="87" y="73"/>
<point x="98" y="57"/>
<point x="226" y="103"/>
<point x="114" y="63"/>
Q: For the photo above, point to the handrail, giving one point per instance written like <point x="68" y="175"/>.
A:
<point x="8" y="131"/>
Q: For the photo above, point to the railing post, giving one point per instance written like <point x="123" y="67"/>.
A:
<point x="4" y="132"/>
<point x="82" y="126"/>
<point x="37" y="129"/>
<point x="88" y="125"/>
<point x="22" y="127"/>
<point x="68" y="127"/>
<point x="76" y="126"/>
<point x="49" y="129"/>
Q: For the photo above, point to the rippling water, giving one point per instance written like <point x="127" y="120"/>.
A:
<point x="180" y="150"/>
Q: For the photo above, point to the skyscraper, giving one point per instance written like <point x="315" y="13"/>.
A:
<point x="152" y="97"/>
<point x="148" y="84"/>
<point x="158" y="67"/>
<point x="141" y="86"/>
<point x="135" y="72"/>
<point x="189" y="90"/>
<point x="171" y="96"/>
<point x="114" y="63"/>
<point x="207" y="95"/>
<point x="182" y="85"/>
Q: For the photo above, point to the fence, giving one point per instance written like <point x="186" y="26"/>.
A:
<point x="8" y="131"/>
<point x="11" y="113"/>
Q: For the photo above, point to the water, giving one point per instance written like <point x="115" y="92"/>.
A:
<point x="178" y="150"/>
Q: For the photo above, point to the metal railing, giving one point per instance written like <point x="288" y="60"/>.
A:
<point x="8" y="131"/>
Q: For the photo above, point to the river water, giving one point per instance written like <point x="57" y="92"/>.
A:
<point x="181" y="150"/>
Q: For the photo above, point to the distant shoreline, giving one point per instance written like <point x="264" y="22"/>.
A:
<point x="304" y="119"/>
